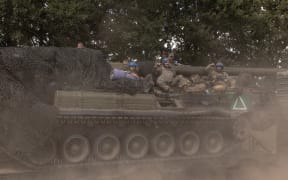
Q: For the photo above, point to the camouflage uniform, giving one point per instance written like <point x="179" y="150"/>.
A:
<point x="218" y="79"/>
<point x="218" y="76"/>
<point x="196" y="88"/>
<point x="193" y="84"/>
<point x="198" y="84"/>
<point x="165" y="78"/>
<point x="181" y="82"/>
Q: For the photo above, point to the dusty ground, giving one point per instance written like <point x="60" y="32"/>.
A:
<point x="201" y="170"/>
<point x="155" y="171"/>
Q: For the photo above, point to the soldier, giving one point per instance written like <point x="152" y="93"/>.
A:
<point x="133" y="69"/>
<point x="134" y="73"/>
<point x="173" y="61"/>
<point x="172" y="58"/>
<point x="217" y="76"/>
<point x="117" y="74"/>
<point x="166" y="76"/>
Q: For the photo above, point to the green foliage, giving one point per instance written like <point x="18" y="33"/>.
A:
<point x="47" y="22"/>
<point x="247" y="32"/>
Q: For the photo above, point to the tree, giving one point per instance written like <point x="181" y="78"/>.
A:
<point x="6" y="14"/>
<point x="47" y="22"/>
<point x="240" y="32"/>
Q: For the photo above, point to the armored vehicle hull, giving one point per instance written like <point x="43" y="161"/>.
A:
<point x="60" y="108"/>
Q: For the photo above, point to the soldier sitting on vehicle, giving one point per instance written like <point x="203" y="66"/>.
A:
<point x="173" y="60"/>
<point x="130" y="74"/>
<point x="133" y="69"/>
<point x="166" y="75"/>
<point x="218" y="78"/>
<point x="139" y="71"/>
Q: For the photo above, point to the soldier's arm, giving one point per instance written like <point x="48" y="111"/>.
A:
<point x="210" y="67"/>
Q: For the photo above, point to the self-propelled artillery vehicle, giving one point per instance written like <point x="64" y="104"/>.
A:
<point x="59" y="108"/>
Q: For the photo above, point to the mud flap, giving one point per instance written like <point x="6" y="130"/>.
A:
<point x="261" y="141"/>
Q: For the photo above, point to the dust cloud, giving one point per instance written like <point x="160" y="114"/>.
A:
<point x="148" y="171"/>
<point x="275" y="171"/>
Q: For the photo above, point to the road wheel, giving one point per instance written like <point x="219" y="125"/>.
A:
<point x="76" y="148"/>
<point x="136" y="146"/>
<point x="107" y="147"/>
<point x="214" y="142"/>
<point x="163" y="144"/>
<point x="189" y="143"/>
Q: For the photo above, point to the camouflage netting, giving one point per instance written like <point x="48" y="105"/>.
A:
<point x="29" y="78"/>
<point x="41" y="70"/>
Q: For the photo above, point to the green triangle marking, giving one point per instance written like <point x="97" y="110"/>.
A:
<point x="239" y="104"/>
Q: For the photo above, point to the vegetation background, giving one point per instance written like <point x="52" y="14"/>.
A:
<point x="238" y="32"/>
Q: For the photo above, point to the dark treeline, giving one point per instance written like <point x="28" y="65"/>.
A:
<point x="239" y="32"/>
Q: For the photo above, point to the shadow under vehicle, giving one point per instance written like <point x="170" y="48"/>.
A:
<point x="59" y="109"/>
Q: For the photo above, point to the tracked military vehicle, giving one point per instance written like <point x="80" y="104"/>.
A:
<point x="59" y="108"/>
